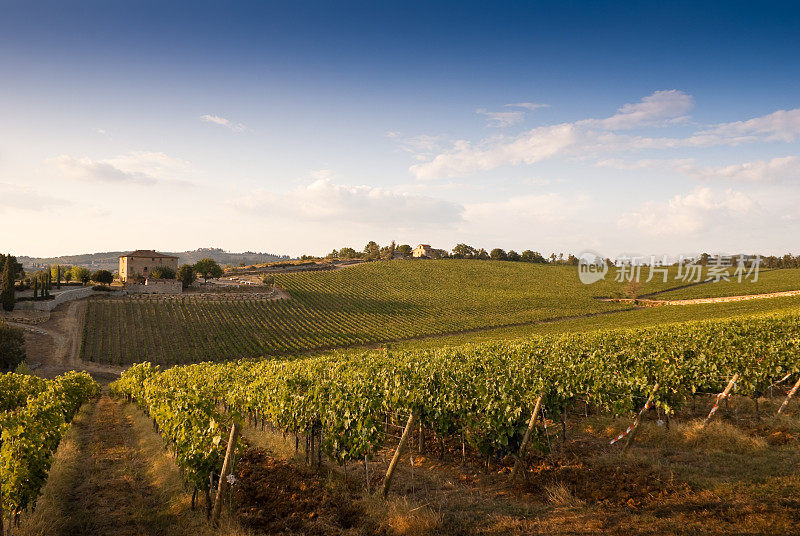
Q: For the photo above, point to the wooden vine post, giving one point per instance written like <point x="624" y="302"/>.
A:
<point x="227" y="469"/>
<point x="722" y="395"/>
<point x="387" y="481"/>
<point x="527" y="437"/>
<point x="789" y="396"/>
<point x="629" y="441"/>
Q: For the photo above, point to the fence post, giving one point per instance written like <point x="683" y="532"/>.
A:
<point x="527" y="437"/>
<point x="387" y="481"/>
<point x="789" y="396"/>
<point x="629" y="442"/>
<point x="227" y="468"/>
<point x="720" y="396"/>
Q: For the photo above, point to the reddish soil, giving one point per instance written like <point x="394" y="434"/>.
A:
<point x="273" y="496"/>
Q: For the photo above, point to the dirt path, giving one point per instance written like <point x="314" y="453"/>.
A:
<point x="718" y="299"/>
<point x="112" y="494"/>
<point x="53" y="344"/>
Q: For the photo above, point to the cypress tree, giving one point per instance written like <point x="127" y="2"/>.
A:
<point x="7" y="292"/>
<point x="58" y="276"/>
<point x="35" y="288"/>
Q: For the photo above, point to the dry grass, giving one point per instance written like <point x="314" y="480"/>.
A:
<point x="717" y="436"/>
<point x="399" y="516"/>
<point x="52" y="507"/>
<point x="111" y="474"/>
<point x="165" y="476"/>
<point x="559" y="494"/>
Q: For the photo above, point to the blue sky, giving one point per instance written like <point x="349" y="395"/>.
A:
<point x="295" y="127"/>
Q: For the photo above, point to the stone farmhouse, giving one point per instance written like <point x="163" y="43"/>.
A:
<point x="425" y="251"/>
<point x="142" y="262"/>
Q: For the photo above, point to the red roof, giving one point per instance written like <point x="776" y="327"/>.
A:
<point x="145" y="253"/>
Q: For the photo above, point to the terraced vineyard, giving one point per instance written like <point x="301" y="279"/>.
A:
<point x="359" y="305"/>
<point x="370" y="303"/>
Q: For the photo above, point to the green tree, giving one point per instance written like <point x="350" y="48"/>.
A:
<point x="387" y="252"/>
<point x="7" y="290"/>
<point x="55" y="270"/>
<point x="513" y="256"/>
<point x="186" y="275"/>
<point x="79" y="273"/>
<point x="268" y="279"/>
<point x="67" y="274"/>
<point x="372" y="251"/>
<point x="463" y="251"/>
<point x="482" y="255"/>
<point x="207" y="269"/>
<point x="16" y="268"/>
<point x="498" y="254"/>
<point x="533" y="256"/>
<point x="104" y="277"/>
<point x="162" y="272"/>
<point x="348" y="253"/>
<point x="12" y="347"/>
<point x="405" y="249"/>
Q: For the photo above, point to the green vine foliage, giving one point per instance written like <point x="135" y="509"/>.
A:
<point x="485" y="391"/>
<point x="34" y="416"/>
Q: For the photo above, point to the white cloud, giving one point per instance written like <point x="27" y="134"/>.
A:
<point x="778" y="169"/>
<point x="646" y="163"/>
<point x="14" y="197"/>
<point x="659" y="109"/>
<point x="783" y="125"/>
<point x="542" y="208"/>
<point x="135" y="167"/>
<point x="218" y="120"/>
<point x="592" y="137"/>
<point x="324" y="200"/>
<point x="700" y="210"/>
<point x="464" y="158"/>
<point x="501" y="119"/>
<point x="528" y="105"/>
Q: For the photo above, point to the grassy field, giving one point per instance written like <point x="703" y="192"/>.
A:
<point x="367" y="304"/>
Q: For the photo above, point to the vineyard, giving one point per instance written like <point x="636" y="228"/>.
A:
<point x="34" y="415"/>
<point x="483" y="394"/>
<point x="364" y="304"/>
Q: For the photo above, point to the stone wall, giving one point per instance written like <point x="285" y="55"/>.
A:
<point x="155" y="286"/>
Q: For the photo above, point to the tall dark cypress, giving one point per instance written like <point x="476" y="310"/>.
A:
<point x="7" y="291"/>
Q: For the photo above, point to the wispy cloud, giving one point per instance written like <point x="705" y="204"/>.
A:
<point x="135" y="167"/>
<point x="777" y="169"/>
<point x="218" y="120"/>
<point x="325" y="200"/>
<point x="783" y="125"/>
<point x="784" y="168"/>
<point x="596" y="137"/>
<point x="528" y="105"/>
<point x="659" y="109"/>
<point x="501" y="119"/>
<point x="15" y="197"/>
<point x="698" y="210"/>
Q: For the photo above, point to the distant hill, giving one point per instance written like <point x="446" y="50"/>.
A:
<point x="110" y="260"/>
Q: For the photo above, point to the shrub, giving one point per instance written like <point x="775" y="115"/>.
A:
<point x="186" y="275"/>
<point x="103" y="277"/>
<point x="163" y="272"/>
<point x="12" y="347"/>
